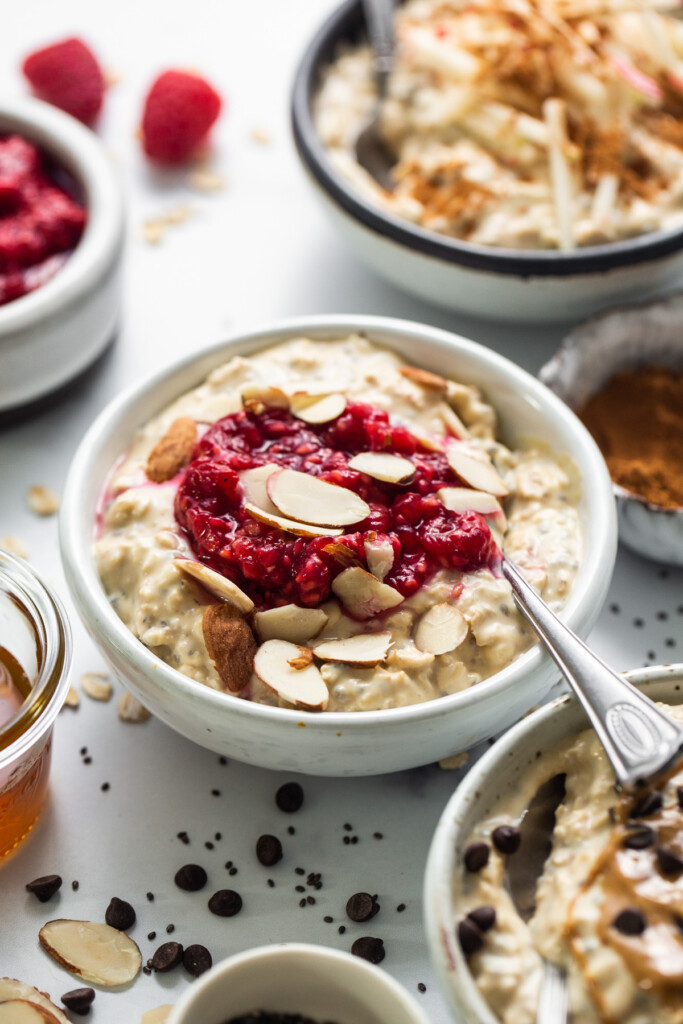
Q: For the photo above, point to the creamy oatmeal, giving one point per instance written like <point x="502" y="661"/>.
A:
<point x="521" y="124"/>
<point x="609" y="903"/>
<point x="318" y="526"/>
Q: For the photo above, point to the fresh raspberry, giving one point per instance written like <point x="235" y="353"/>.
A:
<point x="68" y="76"/>
<point x="179" y="111"/>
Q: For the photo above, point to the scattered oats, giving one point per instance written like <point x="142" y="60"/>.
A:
<point x="73" y="698"/>
<point x="131" y="710"/>
<point x="455" y="761"/>
<point x="13" y="545"/>
<point x="153" y="231"/>
<point x="155" y="228"/>
<point x="112" y="77"/>
<point x="42" y="500"/>
<point x="260" y="135"/>
<point x="97" y="685"/>
<point x="176" y="215"/>
<point x="204" y="180"/>
<point x="159" y="1015"/>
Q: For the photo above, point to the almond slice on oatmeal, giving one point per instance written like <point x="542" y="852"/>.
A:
<point x="290" y="622"/>
<point x="464" y="499"/>
<point x="440" y="630"/>
<point x="257" y="398"/>
<point x="317" y="408"/>
<point x="424" y="377"/>
<point x="311" y="500"/>
<point x="221" y="587"/>
<point x="12" y="989"/>
<point x="173" y="451"/>
<point x="230" y="644"/>
<point x="478" y="472"/>
<point x="96" y="952"/>
<point x="289" y="525"/>
<point x="364" y="649"/>
<point x="392" y="469"/>
<point x="379" y="553"/>
<point x="452" y="422"/>
<point x="362" y="594"/>
<point x="304" y="686"/>
<point x="20" y="1011"/>
<point x="254" y="486"/>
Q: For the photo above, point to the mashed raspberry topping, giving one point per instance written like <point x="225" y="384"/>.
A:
<point x="275" y="567"/>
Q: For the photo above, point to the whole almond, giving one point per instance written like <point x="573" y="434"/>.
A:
<point x="230" y="643"/>
<point x="173" y="451"/>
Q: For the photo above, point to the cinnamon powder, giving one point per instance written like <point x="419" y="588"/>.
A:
<point x="637" y="421"/>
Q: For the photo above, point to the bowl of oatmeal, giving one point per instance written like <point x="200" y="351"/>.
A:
<point x="287" y="545"/>
<point x="537" y="152"/>
<point x="608" y="901"/>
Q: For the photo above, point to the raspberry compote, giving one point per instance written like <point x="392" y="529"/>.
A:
<point x="275" y="567"/>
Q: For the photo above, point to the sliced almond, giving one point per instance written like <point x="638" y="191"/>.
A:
<point x="392" y="469"/>
<point x="131" y="710"/>
<point x="159" y="1015"/>
<point x="379" y="553"/>
<point x="221" y="587"/>
<point x="254" y="486"/>
<point x="290" y="622"/>
<point x="362" y="594"/>
<point x="427" y="440"/>
<point x="464" y="499"/>
<point x="452" y="422"/>
<point x="97" y="686"/>
<point x="20" y="1011"/>
<point x="304" y="687"/>
<point x="317" y="408"/>
<point x="479" y="473"/>
<point x="173" y="451"/>
<point x="289" y="525"/>
<point x="441" y="629"/>
<point x="230" y="644"/>
<point x="424" y="377"/>
<point x="361" y="649"/>
<point x="11" y="988"/>
<point x="93" y="951"/>
<point x="257" y="398"/>
<point x="310" y="500"/>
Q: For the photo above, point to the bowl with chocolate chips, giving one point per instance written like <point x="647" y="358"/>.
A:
<point x="538" y="859"/>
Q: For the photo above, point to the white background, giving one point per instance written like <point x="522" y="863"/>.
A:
<point x="257" y="251"/>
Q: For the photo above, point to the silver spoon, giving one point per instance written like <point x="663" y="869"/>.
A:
<point x="372" y="152"/>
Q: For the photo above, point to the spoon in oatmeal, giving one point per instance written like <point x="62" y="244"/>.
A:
<point x="372" y="152"/>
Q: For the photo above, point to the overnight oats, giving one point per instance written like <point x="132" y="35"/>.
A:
<point x="319" y="526"/>
<point x="520" y="124"/>
<point x="609" y="900"/>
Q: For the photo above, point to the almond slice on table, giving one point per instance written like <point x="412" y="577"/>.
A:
<point x="440" y="630"/>
<point x="11" y="989"/>
<point x="392" y="469"/>
<point x="173" y="451"/>
<point x="95" y="952"/>
<point x="479" y="473"/>
<point x="254" y="486"/>
<point x="20" y="1011"/>
<point x="159" y="1015"/>
<point x="310" y="500"/>
<point x="362" y="594"/>
<point x="290" y="622"/>
<point x="289" y="525"/>
<point x="230" y="644"/>
<point x="379" y="554"/>
<point x="304" y="686"/>
<point x="221" y="587"/>
<point x="464" y="499"/>
<point x="365" y="649"/>
<point x="424" y="377"/>
<point x="257" y="398"/>
<point x="317" y="408"/>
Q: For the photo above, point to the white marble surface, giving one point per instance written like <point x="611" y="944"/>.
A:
<point x="257" y="251"/>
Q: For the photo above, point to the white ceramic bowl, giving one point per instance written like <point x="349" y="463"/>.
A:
<point x="314" y="981"/>
<point x="364" y="743"/>
<point x="496" y="283"/>
<point x="497" y="773"/>
<point x="52" y="334"/>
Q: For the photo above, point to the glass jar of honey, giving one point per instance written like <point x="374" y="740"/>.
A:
<point x="35" y="655"/>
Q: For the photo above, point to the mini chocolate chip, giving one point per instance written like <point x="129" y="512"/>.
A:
<point x="75" y="885"/>
<point x="354" y="840"/>
<point x="400" y="908"/>
<point x="369" y="948"/>
<point x="630" y="922"/>
<point x="167" y="956"/>
<point x="268" y="850"/>
<point x="45" y="887"/>
<point x="291" y="831"/>
<point x="79" y="1000"/>
<point x="310" y="900"/>
<point x="650" y="804"/>
<point x="299" y="871"/>
<point x="299" y="888"/>
<point x="640" y="837"/>
<point x="483" y="917"/>
<point x="361" y="907"/>
<point x="302" y="902"/>
<point x="476" y="857"/>
<point x="208" y="845"/>
<point x="328" y="920"/>
<point x="348" y="827"/>
<point x="232" y="871"/>
<point x="105" y="787"/>
<point x="470" y="937"/>
<point x="271" y="883"/>
<point x="197" y="960"/>
<point x="421" y="987"/>
<point x="341" y="929"/>
<point x="151" y="936"/>
<point x="506" y="839"/>
<point x="150" y="897"/>
<point x="191" y="877"/>
<point x="119" y="914"/>
<point x="669" y="862"/>
<point x="170" y="928"/>
<point x="225" y="903"/>
<point x="290" y="797"/>
<point x="377" y="835"/>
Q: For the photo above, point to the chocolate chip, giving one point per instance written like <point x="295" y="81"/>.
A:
<point x="166" y="957"/>
<point x="197" y="960"/>
<point x="400" y="908"/>
<point x="79" y="1000"/>
<point x="328" y="920"/>
<point x="184" y="838"/>
<point x="75" y="885"/>
<point x="225" y="903"/>
<point x="506" y="839"/>
<point x="650" y="804"/>
<point x="369" y="949"/>
<point x="640" y="837"/>
<point x="483" y="917"/>
<point x="630" y="922"/>
<point x="470" y="937"/>
<point x="421" y="987"/>
<point x="170" y="928"/>
<point x="361" y="907"/>
<point x="268" y="850"/>
<point x="289" y="797"/>
<point x="669" y="862"/>
<point x="119" y="914"/>
<point x="150" y="897"/>
<point x="377" y="835"/>
<point x="341" y="929"/>
<point x="45" y="887"/>
<point x="191" y="877"/>
<point x="151" y="936"/>
<point x="476" y="857"/>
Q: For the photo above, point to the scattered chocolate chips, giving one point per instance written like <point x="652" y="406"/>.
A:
<point x="197" y="960"/>
<point x="361" y="907"/>
<point x="119" y="914"/>
<point x="75" y="885"/>
<point x="421" y="987"/>
<point x="150" y="897"/>
<point x="170" y="928"/>
<point x="290" y="797"/>
<point x="640" y="837"/>
<point x="369" y="948"/>
<point x="268" y="850"/>
<point x="650" y="804"/>
<point x="669" y="863"/>
<point x="184" y="838"/>
<point x="506" y="839"/>
<point x="191" y="877"/>
<point x="151" y="936"/>
<point x="79" y="1000"/>
<point x="483" y="917"/>
<point x="630" y="921"/>
<point x="476" y="857"/>
<point x="341" y="929"/>
<point x="45" y="887"/>
<point x="470" y="936"/>
<point x="377" y="835"/>
<point x="400" y="908"/>
<point x="166" y="957"/>
<point x="225" y="903"/>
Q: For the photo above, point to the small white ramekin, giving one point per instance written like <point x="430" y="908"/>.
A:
<point x="52" y="334"/>
<point x="291" y="977"/>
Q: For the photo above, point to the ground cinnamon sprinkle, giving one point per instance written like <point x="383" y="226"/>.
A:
<point x="637" y="421"/>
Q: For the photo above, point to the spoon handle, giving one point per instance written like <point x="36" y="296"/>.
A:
<point x="640" y="740"/>
<point x="379" y="17"/>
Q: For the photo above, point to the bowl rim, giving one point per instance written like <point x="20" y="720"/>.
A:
<point x="447" y="958"/>
<point x="81" y="152"/>
<point x="342" y="22"/>
<point x="75" y="535"/>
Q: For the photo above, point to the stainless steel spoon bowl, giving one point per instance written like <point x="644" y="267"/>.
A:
<point x="372" y="152"/>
